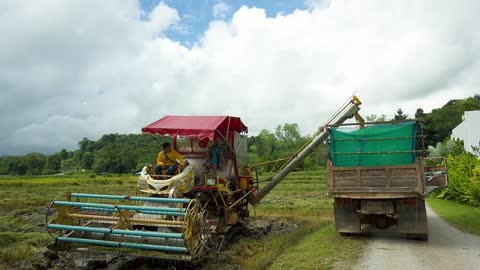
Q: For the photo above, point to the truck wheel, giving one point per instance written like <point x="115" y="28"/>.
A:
<point x="423" y="236"/>
<point x="417" y="236"/>
<point x="346" y="234"/>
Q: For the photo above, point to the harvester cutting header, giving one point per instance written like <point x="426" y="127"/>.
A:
<point x="186" y="208"/>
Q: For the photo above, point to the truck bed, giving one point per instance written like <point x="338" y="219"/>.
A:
<point x="376" y="182"/>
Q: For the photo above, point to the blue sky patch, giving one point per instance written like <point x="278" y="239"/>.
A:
<point x="195" y="15"/>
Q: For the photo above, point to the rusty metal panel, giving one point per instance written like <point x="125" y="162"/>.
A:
<point x="378" y="207"/>
<point x="384" y="179"/>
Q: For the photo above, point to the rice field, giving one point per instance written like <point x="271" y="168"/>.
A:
<point x="302" y="235"/>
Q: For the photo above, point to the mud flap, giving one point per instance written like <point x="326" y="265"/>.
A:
<point x="412" y="216"/>
<point x="347" y="219"/>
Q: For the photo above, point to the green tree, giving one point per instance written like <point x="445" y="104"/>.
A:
<point x="87" y="160"/>
<point x="68" y="165"/>
<point x="21" y="167"/>
<point x="291" y="132"/>
<point x="35" y="163"/>
<point x="438" y="124"/>
<point x="53" y="163"/>
<point x="376" y="118"/>
<point x="400" y="115"/>
<point x="265" y="143"/>
<point x="8" y="165"/>
<point x="477" y="97"/>
<point x="279" y="133"/>
<point x="419" y="114"/>
<point x="63" y="154"/>
<point x="105" y="160"/>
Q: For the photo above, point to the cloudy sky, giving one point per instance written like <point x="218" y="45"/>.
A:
<point x="74" y="69"/>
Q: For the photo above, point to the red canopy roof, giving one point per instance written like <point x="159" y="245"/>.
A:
<point x="200" y="127"/>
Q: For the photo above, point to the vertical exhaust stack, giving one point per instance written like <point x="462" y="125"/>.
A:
<point x="347" y="111"/>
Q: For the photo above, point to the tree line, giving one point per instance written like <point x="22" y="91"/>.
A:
<point x="119" y="153"/>
<point x="112" y="153"/>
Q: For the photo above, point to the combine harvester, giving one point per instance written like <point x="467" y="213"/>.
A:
<point x="187" y="216"/>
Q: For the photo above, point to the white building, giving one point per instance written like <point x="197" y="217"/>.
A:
<point x="469" y="130"/>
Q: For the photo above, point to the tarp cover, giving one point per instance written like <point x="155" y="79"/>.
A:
<point x="200" y="127"/>
<point x="368" y="146"/>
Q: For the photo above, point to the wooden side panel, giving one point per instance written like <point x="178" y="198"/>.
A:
<point x="373" y="178"/>
<point x="346" y="178"/>
<point x="404" y="178"/>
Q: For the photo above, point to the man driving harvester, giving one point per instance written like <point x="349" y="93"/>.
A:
<point x="168" y="159"/>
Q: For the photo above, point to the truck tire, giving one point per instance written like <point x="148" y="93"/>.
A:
<point x="417" y="236"/>
<point x="412" y="219"/>
<point x="423" y="236"/>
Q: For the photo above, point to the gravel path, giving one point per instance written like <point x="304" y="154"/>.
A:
<point x="447" y="248"/>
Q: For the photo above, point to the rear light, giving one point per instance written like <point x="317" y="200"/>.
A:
<point x="343" y="202"/>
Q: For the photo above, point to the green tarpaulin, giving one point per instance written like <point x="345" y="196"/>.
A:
<point x="373" y="145"/>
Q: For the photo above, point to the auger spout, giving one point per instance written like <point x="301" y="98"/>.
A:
<point x="345" y="112"/>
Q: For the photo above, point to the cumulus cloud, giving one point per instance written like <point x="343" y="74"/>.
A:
<point x="73" y="69"/>
<point x="220" y="10"/>
<point x="162" y="17"/>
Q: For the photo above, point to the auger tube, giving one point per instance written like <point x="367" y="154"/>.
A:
<point x="346" y="112"/>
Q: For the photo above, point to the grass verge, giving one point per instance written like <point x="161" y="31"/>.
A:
<point x="462" y="216"/>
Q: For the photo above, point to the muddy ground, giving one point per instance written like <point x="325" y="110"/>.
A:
<point x="87" y="259"/>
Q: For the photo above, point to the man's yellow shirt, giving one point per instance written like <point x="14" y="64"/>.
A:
<point x="172" y="157"/>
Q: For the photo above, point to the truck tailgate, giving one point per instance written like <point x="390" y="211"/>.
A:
<point x="381" y="179"/>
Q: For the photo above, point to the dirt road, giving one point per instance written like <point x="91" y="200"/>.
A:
<point x="447" y="248"/>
